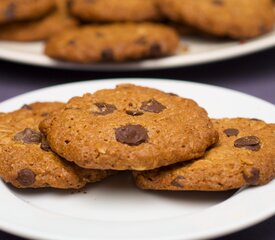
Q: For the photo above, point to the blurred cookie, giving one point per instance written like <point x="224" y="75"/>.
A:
<point x="233" y="18"/>
<point x="113" y="43"/>
<point x="129" y="127"/>
<point x="244" y="155"/>
<point x="26" y="160"/>
<point x="115" y="10"/>
<point x="21" y="10"/>
<point x="40" y="29"/>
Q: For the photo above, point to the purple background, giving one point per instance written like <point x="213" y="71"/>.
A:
<point x="254" y="74"/>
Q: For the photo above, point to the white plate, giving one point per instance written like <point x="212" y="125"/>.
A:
<point x="115" y="209"/>
<point x="201" y="50"/>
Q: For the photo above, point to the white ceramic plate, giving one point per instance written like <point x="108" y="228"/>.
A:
<point x="201" y="50"/>
<point x="115" y="209"/>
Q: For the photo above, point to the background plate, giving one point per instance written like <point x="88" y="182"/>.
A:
<point x="115" y="209"/>
<point x="200" y="50"/>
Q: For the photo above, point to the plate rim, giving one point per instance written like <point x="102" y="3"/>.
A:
<point x="251" y="46"/>
<point x="119" y="80"/>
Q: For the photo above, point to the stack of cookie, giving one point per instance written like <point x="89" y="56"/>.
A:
<point x="33" y="20"/>
<point x="26" y="159"/>
<point x="115" y="31"/>
<point x="168" y="142"/>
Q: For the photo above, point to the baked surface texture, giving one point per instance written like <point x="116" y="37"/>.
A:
<point x="113" y="43"/>
<point x="238" y="19"/>
<point x="26" y="160"/>
<point x="39" y="29"/>
<point x="129" y="127"/>
<point x="115" y="10"/>
<point x="244" y="155"/>
<point x="21" y="10"/>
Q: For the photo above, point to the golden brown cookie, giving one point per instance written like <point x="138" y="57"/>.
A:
<point x="113" y="43"/>
<point x="233" y="18"/>
<point x="26" y="160"/>
<point x="40" y="29"/>
<point x="19" y="10"/>
<point x="129" y="127"/>
<point x="115" y="10"/>
<point x="244" y="155"/>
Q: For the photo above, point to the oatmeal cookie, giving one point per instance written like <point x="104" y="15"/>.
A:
<point x="26" y="160"/>
<point x="238" y="19"/>
<point x="22" y="10"/>
<point x="129" y="127"/>
<point x="113" y="43"/>
<point x="244" y="155"/>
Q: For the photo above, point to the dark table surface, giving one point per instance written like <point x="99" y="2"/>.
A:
<point x="254" y="74"/>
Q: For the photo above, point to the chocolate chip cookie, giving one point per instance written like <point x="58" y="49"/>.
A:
<point x="19" y="10"/>
<point x="115" y="10"/>
<point x="40" y="29"/>
<point x="129" y="127"/>
<point x="26" y="159"/>
<point x="233" y="18"/>
<point x="113" y="43"/>
<point x="244" y="155"/>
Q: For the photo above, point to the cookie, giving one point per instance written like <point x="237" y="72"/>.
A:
<point x="26" y="160"/>
<point x="40" y="29"/>
<point x="115" y="10"/>
<point x="21" y="10"/>
<point x="238" y="19"/>
<point x="113" y="43"/>
<point x="129" y="127"/>
<point x="244" y="155"/>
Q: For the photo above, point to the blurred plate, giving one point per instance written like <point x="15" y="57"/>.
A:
<point x="115" y="208"/>
<point x="199" y="50"/>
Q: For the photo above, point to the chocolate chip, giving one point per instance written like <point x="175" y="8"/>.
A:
<point x="28" y="136"/>
<point x="105" y="108"/>
<point x="250" y="142"/>
<point x="218" y="2"/>
<point x="256" y="119"/>
<point x="44" y="114"/>
<point x="141" y="41"/>
<point x="45" y="145"/>
<point x="152" y="106"/>
<point x="72" y="42"/>
<point x="263" y="29"/>
<point x="254" y="147"/>
<point x="155" y="50"/>
<point x="107" y="54"/>
<point x="99" y="34"/>
<point x="132" y="135"/>
<point x="10" y="11"/>
<point x="231" y="132"/>
<point x="173" y="94"/>
<point x="134" y="113"/>
<point x="26" y="107"/>
<point x="252" y="177"/>
<point x="177" y="182"/>
<point x="70" y="4"/>
<point x="26" y="177"/>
